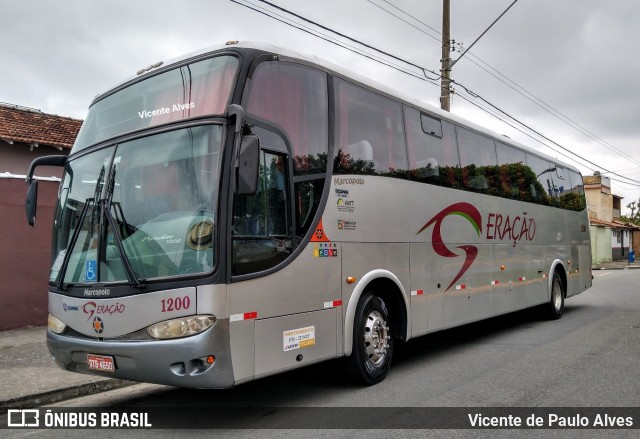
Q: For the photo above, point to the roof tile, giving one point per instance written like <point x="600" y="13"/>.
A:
<point x="19" y="124"/>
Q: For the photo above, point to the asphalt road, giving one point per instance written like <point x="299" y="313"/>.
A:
<point x="589" y="358"/>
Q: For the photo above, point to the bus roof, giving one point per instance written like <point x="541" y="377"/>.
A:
<point x="345" y="73"/>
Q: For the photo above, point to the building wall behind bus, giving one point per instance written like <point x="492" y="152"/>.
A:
<point x="600" y="244"/>
<point x="25" y="254"/>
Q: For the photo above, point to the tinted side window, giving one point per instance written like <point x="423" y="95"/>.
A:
<point x="541" y="185"/>
<point x="369" y="133"/>
<point x="432" y="159"/>
<point x="561" y="183"/>
<point x="574" y="198"/>
<point x="514" y="174"/>
<point x="478" y="161"/>
<point x="294" y="98"/>
<point x="262" y="222"/>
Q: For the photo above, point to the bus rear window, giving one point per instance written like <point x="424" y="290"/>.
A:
<point x="192" y="90"/>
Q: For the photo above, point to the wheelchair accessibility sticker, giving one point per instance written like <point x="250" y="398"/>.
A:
<point x="91" y="271"/>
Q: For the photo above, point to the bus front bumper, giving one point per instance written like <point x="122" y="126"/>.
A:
<point x="178" y="362"/>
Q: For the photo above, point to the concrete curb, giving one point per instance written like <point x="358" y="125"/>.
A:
<point x="54" y="396"/>
<point x="632" y="267"/>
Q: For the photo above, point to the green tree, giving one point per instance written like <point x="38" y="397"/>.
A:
<point x="634" y="216"/>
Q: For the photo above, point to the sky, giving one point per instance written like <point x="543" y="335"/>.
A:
<point x="565" y="68"/>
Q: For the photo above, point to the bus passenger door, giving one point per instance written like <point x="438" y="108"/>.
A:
<point x="284" y="296"/>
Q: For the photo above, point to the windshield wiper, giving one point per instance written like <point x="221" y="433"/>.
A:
<point x="74" y="238"/>
<point x="132" y="277"/>
<point x="76" y="233"/>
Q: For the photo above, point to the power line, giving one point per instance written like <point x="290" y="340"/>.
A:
<point x="437" y="38"/>
<point x="328" y="39"/>
<point x="513" y="85"/>
<point x="368" y="55"/>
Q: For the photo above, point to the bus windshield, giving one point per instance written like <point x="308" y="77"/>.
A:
<point x="196" y="89"/>
<point x="139" y="210"/>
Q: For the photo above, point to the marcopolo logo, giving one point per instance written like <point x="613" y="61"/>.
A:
<point x="472" y="215"/>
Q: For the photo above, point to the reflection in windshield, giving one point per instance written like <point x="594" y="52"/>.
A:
<point x="154" y="214"/>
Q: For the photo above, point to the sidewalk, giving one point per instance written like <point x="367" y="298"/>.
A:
<point x="30" y="378"/>
<point x="617" y="265"/>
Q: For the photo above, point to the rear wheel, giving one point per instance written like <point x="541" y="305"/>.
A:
<point x="370" y="359"/>
<point x="555" y="307"/>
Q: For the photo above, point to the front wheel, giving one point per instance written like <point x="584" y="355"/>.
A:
<point x="370" y="359"/>
<point x="555" y="307"/>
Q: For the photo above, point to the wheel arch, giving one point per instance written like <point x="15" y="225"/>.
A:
<point x="389" y="288"/>
<point x="557" y="266"/>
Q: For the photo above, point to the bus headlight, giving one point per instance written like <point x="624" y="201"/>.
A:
<point x="56" y="325"/>
<point x="182" y="327"/>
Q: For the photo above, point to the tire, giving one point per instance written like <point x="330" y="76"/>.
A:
<point x="372" y="352"/>
<point x="555" y="307"/>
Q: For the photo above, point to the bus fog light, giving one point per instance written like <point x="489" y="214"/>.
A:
<point x="56" y="325"/>
<point x="182" y="327"/>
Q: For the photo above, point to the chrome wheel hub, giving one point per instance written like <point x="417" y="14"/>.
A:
<point x="376" y="335"/>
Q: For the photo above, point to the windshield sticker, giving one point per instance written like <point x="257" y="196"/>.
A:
<point x="58" y="263"/>
<point x="91" y="270"/>
<point x="145" y="114"/>
<point x="299" y="338"/>
<point x="169" y="239"/>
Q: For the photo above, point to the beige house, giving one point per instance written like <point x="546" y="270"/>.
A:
<point x="611" y="239"/>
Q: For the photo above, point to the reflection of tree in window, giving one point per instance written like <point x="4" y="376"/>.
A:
<point x="369" y="133"/>
<point x="294" y="98"/>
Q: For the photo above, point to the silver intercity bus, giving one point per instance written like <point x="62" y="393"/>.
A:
<point x="245" y="210"/>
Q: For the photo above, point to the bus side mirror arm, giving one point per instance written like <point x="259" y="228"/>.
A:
<point x="248" y="165"/>
<point x="237" y="111"/>
<point x="32" y="192"/>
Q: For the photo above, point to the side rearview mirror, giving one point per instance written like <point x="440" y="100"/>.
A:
<point x="248" y="165"/>
<point x="31" y="202"/>
<point x="32" y="192"/>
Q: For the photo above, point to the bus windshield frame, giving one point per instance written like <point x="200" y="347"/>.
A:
<point x="140" y="210"/>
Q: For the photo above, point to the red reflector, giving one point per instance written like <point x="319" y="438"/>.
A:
<point x="337" y="303"/>
<point x="250" y="315"/>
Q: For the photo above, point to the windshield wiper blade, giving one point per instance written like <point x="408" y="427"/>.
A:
<point x="72" y="244"/>
<point x="132" y="277"/>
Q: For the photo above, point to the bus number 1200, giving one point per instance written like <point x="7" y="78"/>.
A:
<point x="175" y="304"/>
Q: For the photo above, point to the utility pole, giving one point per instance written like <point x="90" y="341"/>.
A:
<point x="445" y="92"/>
<point x="447" y="63"/>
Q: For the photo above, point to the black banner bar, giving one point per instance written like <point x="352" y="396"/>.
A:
<point x="325" y="418"/>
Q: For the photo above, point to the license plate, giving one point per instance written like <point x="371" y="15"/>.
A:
<point x="101" y="362"/>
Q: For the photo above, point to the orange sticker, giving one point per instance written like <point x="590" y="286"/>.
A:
<point x="319" y="235"/>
